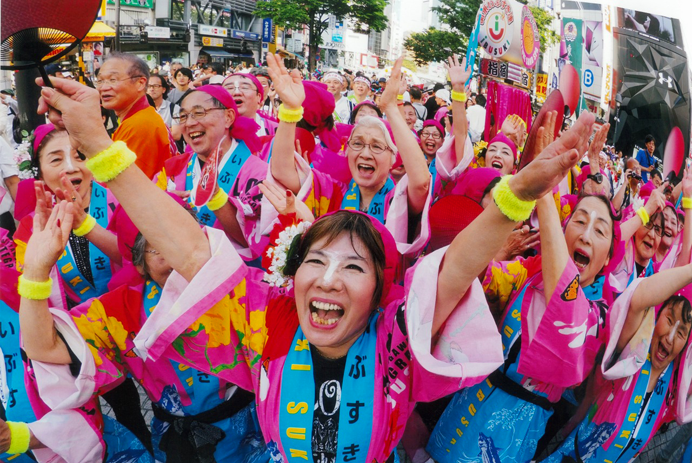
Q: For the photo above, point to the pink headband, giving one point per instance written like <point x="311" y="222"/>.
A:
<point x="434" y="123"/>
<point x="255" y="80"/>
<point x="39" y="134"/>
<point x="502" y="138"/>
<point x="243" y="128"/>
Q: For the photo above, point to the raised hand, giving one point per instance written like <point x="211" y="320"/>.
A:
<point x="687" y="183"/>
<point x="597" y="144"/>
<point x="289" y="86"/>
<point x="390" y="93"/>
<point x="285" y="202"/>
<point x="515" y="129"/>
<point x="656" y="202"/>
<point x="69" y="194"/>
<point x="81" y="113"/>
<point x="48" y="240"/>
<point x="458" y="73"/>
<point x="542" y="174"/>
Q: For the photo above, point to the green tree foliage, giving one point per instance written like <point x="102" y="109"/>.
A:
<point x="437" y="45"/>
<point x="367" y="15"/>
<point x="544" y="22"/>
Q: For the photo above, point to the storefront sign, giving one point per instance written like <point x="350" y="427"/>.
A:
<point x="212" y="42"/>
<point x="333" y="46"/>
<point x="531" y="41"/>
<point x="211" y="30"/>
<point x="541" y="86"/>
<point x="136" y="3"/>
<point x="155" y="32"/>
<point x="236" y="34"/>
<point x="267" y="29"/>
<point x="506" y="71"/>
<point x="497" y="21"/>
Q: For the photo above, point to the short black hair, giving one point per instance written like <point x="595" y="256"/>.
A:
<point x="164" y="84"/>
<point x="649" y="138"/>
<point x="185" y="71"/>
<point x="480" y="100"/>
<point x="217" y="68"/>
<point x="415" y="93"/>
<point x="656" y="173"/>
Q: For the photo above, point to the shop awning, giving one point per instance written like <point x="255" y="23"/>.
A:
<point x="99" y="31"/>
<point x="217" y="53"/>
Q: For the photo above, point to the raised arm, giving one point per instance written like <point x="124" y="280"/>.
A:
<point x="655" y="203"/>
<point x="46" y="245"/>
<point x="166" y="225"/>
<point x="652" y="291"/>
<point x="475" y="246"/>
<point x="686" y="186"/>
<point x="290" y="89"/>
<point x="411" y="154"/>
<point x="458" y="74"/>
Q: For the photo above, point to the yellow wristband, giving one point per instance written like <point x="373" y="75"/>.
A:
<point x="459" y="96"/>
<point x="641" y="212"/>
<point x="20" y="437"/>
<point x="86" y="226"/>
<point x="111" y="162"/>
<point x="686" y="203"/>
<point x="34" y="290"/>
<point x="400" y="97"/>
<point x="512" y="207"/>
<point x="218" y="200"/>
<point x="290" y="115"/>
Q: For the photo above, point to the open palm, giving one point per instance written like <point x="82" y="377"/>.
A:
<point x="288" y="86"/>
<point x="458" y="74"/>
<point x="51" y="231"/>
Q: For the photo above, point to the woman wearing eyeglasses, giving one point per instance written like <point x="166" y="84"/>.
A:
<point x="370" y="153"/>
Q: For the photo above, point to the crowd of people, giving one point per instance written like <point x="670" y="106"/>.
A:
<point x="250" y="247"/>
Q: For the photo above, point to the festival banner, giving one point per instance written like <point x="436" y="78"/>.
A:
<point x="607" y="79"/>
<point x="541" y="87"/>
<point x="530" y="39"/>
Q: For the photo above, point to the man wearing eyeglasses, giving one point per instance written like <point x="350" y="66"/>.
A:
<point x="122" y="83"/>
<point x="248" y="94"/>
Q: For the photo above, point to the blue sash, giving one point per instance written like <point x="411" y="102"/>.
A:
<point x="351" y="201"/>
<point x="227" y="177"/>
<point x="432" y="168"/>
<point x="639" y="422"/>
<point x="201" y="387"/>
<point x="357" y="399"/>
<point x="511" y="326"/>
<point x="594" y="292"/>
<point x="648" y="271"/>
<point x="99" y="262"/>
<point x="13" y="392"/>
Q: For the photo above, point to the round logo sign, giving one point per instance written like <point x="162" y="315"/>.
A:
<point x="495" y="34"/>
<point x="530" y="39"/>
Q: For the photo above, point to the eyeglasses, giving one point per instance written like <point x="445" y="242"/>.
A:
<point x="152" y="251"/>
<point x="357" y="145"/>
<point x="197" y="114"/>
<point x="433" y="135"/>
<point x="154" y="86"/>
<point x="657" y="228"/>
<point x="598" y="178"/>
<point x="98" y="83"/>
<point x="244" y="88"/>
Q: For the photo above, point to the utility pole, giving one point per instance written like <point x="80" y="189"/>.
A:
<point x="117" y="25"/>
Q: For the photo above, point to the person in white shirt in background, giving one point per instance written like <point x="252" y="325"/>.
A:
<point x="157" y="89"/>
<point x="476" y="118"/>
<point x="9" y="179"/>
<point x="343" y="107"/>
<point x="361" y="89"/>
<point x="10" y="109"/>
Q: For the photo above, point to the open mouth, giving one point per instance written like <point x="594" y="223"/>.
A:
<point x="325" y="313"/>
<point x="238" y="101"/>
<point x="366" y="169"/>
<point x="581" y="260"/>
<point x="496" y="165"/>
<point x="662" y="353"/>
<point x="195" y="135"/>
<point x="648" y="245"/>
<point x="430" y="146"/>
<point x="76" y="182"/>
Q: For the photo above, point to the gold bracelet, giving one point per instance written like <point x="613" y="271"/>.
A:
<point x="35" y="290"/>
<point x="290" y="115"/>
<point x="218" y="200"/>
<point x="686" y="203"/>
<point x="641" y="212"/>
<point x="86" y="226"/>
<point x="459" y="96"/>
<point x="20" y="437"/>
<point x="513" y="208"/>
<point x="111" y="162"/>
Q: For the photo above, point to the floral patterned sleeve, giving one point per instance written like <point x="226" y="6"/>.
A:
<point x="503" y="278"/>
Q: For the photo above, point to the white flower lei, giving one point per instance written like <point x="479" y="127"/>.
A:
<point x="22" y="158"/>
<point x="275" y="275"/>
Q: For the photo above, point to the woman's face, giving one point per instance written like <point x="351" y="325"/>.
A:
<point x="500" y="157"/>
<point x="410" y="116"/>
<point x="365" y="111"/>
<point x="670" y="336"/>
<point x="57" y="157"/>
<point x="670" y="228"/>
<point x="369" y="169"/>
<point x="646" y="240"/>
<point x="334" y="287"/>
<point x="588" y="235"/>
<point x="430" y="140"/>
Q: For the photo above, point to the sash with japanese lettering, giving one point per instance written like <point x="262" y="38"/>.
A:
<point x="298" y="399"/>
<point x="351" y="201"/>
<point x="100" y="263"/>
